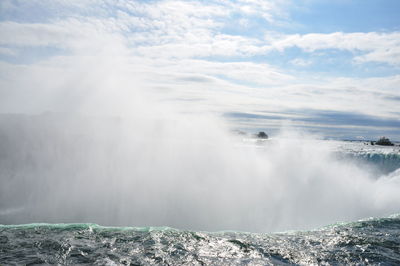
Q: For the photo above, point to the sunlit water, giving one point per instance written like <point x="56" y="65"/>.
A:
<point x="374" y="241"/>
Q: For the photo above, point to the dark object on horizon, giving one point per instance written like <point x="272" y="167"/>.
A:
<point x="372" y="143"/>
<point x="262" y="135"/>
<point x="384" y="142"/>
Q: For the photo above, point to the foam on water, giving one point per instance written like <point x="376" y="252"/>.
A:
<point x="369" y="241"/>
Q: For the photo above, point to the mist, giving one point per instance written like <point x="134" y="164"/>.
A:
<point x="186" y="172"/>
<point x="94" y="137"/>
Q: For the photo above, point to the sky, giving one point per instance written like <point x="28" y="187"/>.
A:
<point x="330" y="67"/>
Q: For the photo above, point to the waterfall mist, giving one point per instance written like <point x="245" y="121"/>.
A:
<point x="113" y="151"/>
<point x="185" y="173"/>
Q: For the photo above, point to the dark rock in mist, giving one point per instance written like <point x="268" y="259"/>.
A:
<point x="384" y="142"/>
<point x="262" y="135"/>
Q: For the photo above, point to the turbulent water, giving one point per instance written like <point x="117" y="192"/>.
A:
<point x="373" y="241"/>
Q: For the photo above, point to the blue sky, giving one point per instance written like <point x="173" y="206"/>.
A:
<point x="329" y="66"/>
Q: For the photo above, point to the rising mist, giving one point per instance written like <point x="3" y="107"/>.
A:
<point x="185" y="172"/>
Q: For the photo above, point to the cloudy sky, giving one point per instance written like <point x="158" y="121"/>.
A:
<point x="331" y="67"/>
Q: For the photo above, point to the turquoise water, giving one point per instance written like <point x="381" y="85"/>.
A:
<point x="381" y="164"/>
<point x="373" y="241"/>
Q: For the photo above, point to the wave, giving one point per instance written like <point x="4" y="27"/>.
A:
<point x="93" y="226"/>
<point x="369" y="241"/>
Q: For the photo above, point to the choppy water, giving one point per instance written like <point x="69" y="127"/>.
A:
<point x="374" y="241"/>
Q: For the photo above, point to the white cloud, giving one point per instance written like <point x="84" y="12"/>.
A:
<point x="157" y="46"/>
<point x="19" y="34"/>
<point x="378" y="47"/>
<point x="8" y="51"/>
<point x="160" y="28"/>
<point x="72" y="34"/>
<point x="185" y="29"/>
<point x="301" y="62"/>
